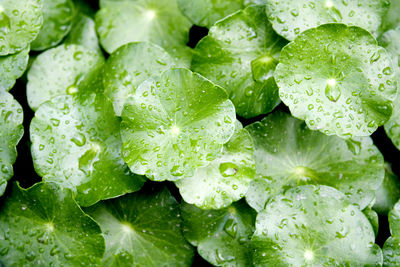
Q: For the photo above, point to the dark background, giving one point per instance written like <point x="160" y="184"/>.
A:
<point x="25" y="174"/>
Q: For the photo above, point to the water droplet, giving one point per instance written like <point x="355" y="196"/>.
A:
<point x="79" y="140"/>
<point x="230" y="227"/>
<point x="228" y="169"/>
<point x="332" y="91"/>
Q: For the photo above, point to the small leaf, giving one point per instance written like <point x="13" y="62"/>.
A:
<point x="394" y="220"/>
<point x="11" y="131"/>
<point x="240" y="54"/>
<point x="388" y="193"/>
<point x="58" y="16"/>
<point x="289" y="18"/>
<point x="222" y="236"/>
<point x="12" y="67"/>
<point x="224" y="180"/>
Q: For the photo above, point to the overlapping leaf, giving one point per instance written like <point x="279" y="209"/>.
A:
<point x="338" y="80"/>
<point x="76" y="143"/>
<point x="240" y="54"/>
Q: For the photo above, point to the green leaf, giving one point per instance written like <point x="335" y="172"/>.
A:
<point x="391" y="41"/>
<point x="388" y="193"/>
<point x="11" y="131"/>
<point x="20" y="23"/>
<point x="222" y="236"/>
<point x="392" y="127"/>
<point x="391" y="252"/>
<point x="373" y="218"/>
<point x="289" y="18"/>
<point x="60" y="71"/>
<point x="224" y="180"/>
<point x="156" y="21"/>
<point x="174" y="124"/>
<point x="394" y="220"/>
<point x="12" y="67"/>
<point x="57" y="21"/>
<point x="83" y="32"/>
<point x="206" y="12"/>
<point x="288" y="154"/>
<point x="129" y="66"/>
<point x="43" y="226"/>
<point x="142" y="229"/>
<point x="338" y="80"/>
<point x="313" y="226"/>
<point x="76" y="143"/>
<point x="240" y="54"/>
<point x="392" y="19"/>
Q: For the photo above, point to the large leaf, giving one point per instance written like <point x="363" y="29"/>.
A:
<point x="313" y="226"/>
<point x="142" y="229"/>
<point x="20" y="23"/>
<point x="76" y="143"/>
<point x="43" y="226"/>
<point x="174" y="124"/>
<point x="60" y="71"/>
<point x="12" y="67"/>
<point x="290" y="18"/>
<point x="240" y="54"/>
<point x="129" y="66"/>
<point x="289" y="154"/>
<point x="338" y="80"/>
<point x="156" y="21"/>
<point x="206" y="12"/>
<point x="11" y="131"/>
<point x="224" y="180"/>
<point x="222" y="236"/>
<point x="57" y="21"/>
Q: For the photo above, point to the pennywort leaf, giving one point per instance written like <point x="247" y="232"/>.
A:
<point x="240" y="54"/>
<point x="174" y="124"/>
<point x="288" y="154"/>
<point x="43" y="226"/>
<point x="338" y="80"/>
<point x="76" y="143"/>
<point x="12" y="67"/>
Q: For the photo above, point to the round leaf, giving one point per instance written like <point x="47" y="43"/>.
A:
<point x="338" y="80"/>
<point x="174" y="124"/>
<point x="289" y="18"/>
<point x="240" y="54"/>
<point x="83" y="32"/>
<point x="206" y="12"/>
<point x="394" y="220"/>
<point x="57" y="21"/>
<point x="129" y="66"/>
<point x="142" y="229"/>
<point x="313" y="226"/>
<point x="12" y="67"/>
<point x="224" y="180"/>
<point x="156" y="21"/>
<point x="391" y="252"/>
<point x="388" y="193"/>
<point x="11" y="131"/>
<point x="392" y="127"/>
<point x="20" y="23"/>
<point x="76" y="143"/>
<point x="222" y="236"/>
<point x="43" y="226"/>
<point x="288" y="154"/>
<point x="60" y="71"/>
<point x="373" y="218"/>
